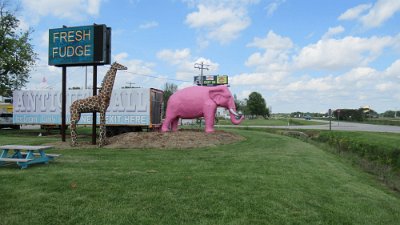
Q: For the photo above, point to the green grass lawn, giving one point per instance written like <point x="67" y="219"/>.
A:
<point x="266" y="179"/>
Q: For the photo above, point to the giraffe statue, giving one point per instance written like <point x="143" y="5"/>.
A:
<point x="98" y="103"/>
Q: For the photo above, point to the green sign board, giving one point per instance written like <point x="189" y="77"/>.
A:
<point x="211" y="80"/>
<point x="84" y="45"/>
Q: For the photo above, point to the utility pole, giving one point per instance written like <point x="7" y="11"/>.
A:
<point x="201" y="66"/>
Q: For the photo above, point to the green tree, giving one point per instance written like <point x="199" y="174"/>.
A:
<point x="240" y="104"/>
<point x="169" y="89"/>
<point x="16" y="53"/>
<point x="391" y="113"/>
<point x="256" y="105"/>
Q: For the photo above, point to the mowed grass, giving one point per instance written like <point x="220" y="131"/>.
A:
<point x="267" y="179"/>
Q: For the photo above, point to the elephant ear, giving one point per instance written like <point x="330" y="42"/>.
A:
<point x="219" y="95"/>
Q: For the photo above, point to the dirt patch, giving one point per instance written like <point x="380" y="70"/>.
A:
<point x="183" y="139"/>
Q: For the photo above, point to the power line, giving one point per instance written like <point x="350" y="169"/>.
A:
<point x="156" y="77"/>
<point x="145" y="75"/>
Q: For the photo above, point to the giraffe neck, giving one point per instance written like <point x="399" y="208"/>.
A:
<point x="108" y="83"/>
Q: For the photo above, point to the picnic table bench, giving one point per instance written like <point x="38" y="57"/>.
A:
<point x="33" y="154"/>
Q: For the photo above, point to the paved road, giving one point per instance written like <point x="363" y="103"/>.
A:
<point x="335" y="126"/>
<point x="347" y="126"/>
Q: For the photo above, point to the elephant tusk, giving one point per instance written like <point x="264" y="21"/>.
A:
<point x="233" y="112"/>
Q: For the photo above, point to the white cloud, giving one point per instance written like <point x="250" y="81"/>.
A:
<point x="279" y="75"/>
<point x="75" y="10"/>
<point x="184" y="61"/>
<point x="354" y="12"/>
<point x="336" y="54"/>
<point x="137" y="74"/>
<point x="314" y="84"/>
<point x="93" y="7"/>
<point x="380" y="12"/>
<point x="174" y="56"/>
<point x="135" y="66"/>
<point x="244" y="94"/>
<point x="120" y="56"/>
<point x="140" y="67"/>
<point x="273" y="6"/>
<point x="148" y="25"/>
<point x="358" y="74"/>
<point x="271" y="65"/>
<point x="332" y="31"/>
<point x="45" y="39"/>
<point x="372" y="16"/>
<point x="222" y="21"/>
<point x="275" y="57"/>
<point x="272" y="41"/>
<point x="393" y="70"/>
<point x="356" y="87"/>
<point x="248" y="79"/>
<point x="386" y="86"/>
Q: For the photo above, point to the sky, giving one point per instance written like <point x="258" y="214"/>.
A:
<point x="307" y="56"/>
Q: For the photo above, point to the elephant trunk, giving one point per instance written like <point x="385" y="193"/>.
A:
<point x="235" y="117"/>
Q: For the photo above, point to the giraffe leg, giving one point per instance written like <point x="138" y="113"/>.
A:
<point x="102" y="135"/>
<point x="75" y="116"/>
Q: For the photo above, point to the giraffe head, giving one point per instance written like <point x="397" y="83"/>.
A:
<point x="118" y="66"/>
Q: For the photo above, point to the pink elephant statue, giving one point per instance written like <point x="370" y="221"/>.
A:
<point x="199" y="101"/>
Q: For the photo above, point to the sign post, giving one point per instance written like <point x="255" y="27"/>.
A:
<point x="79" y="46"/>
<point x="63" y="102"/>
<point x="94" y="113"/>
<point x="330" y="119"/>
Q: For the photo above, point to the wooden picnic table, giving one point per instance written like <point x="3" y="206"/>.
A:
<point x="25" y="155"/>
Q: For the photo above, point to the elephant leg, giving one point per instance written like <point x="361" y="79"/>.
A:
<point x="170" y="123"/>
<point x="75" y="116"/>
<point x="102" y="134"/>
<point x="209" y="118"/>
<point x="165" y="125"/>
<point x="174" y="124"/>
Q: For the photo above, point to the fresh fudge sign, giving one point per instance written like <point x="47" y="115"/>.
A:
<point x="84" y="45"/>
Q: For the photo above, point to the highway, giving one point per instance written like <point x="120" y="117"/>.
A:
<point x="345" y="126"/>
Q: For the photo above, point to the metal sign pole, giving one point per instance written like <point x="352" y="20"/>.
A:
<point x="94" y="113"/>
<point x="330" y="119"/>
<point x="64" y="102"/>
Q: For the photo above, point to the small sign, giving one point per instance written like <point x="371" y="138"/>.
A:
<point x="84" y="45"/>
<point x="212" y="80"/>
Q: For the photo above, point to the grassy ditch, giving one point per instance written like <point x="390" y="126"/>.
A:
<point x="383" y="148"/>
<point x="376" y="153"/>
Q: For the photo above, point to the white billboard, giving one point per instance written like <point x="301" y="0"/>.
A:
<point x="127" y="107"/>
